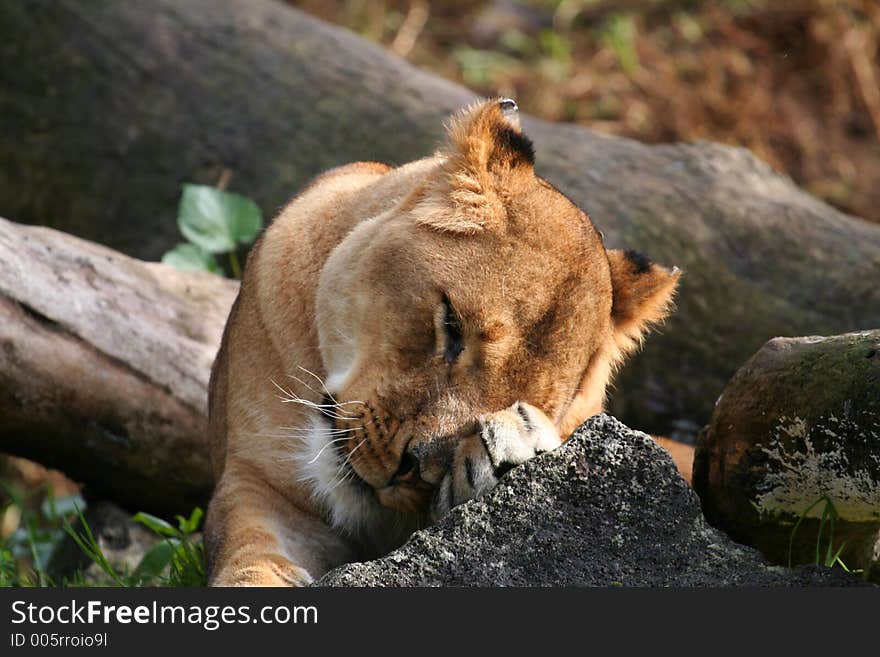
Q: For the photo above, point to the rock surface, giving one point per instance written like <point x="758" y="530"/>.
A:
<point x="608" y="508"/>
<point x="798" y="422"/>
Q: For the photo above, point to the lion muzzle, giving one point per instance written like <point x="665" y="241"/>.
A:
<point x="469" y="465"/>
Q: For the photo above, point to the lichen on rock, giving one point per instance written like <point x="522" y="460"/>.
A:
<point x="795" y="478"/>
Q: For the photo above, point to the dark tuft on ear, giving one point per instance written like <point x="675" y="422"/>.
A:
<point x="514" y="143"/>
<point x="640" y="261"/>
<point x="486" y="139"/>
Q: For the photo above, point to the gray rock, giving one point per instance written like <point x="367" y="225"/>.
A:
<point x="608" y="508"/>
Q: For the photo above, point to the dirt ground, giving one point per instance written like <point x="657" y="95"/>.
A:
<point x="795" y="81"/>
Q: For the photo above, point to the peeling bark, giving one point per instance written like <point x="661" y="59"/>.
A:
<point x="104" y="365"/>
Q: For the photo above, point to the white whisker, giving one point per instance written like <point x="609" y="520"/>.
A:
<point x="347" y="460"/>
<point x="290" y="397"/>
<point x="319" y="380"/>
<point x="333" y="399"/>
<point x="292" y="432"/>
<point x="329" y="442"/>
<point x="324" y="388"/>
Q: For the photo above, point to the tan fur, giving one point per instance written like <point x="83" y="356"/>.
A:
<point x="343" y="305"/>
<point x="682" y="455"/>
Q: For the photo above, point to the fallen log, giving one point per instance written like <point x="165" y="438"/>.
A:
<point x="104" y="365"/>
<point x="109" y="106"/>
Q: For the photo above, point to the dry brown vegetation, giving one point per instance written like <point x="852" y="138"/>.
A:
<point x="795" y="81"/>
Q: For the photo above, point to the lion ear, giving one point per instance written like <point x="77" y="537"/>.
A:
<point x="485" y="150"/>
<point x="486" y="138"/>
<point x="642" y="293"/>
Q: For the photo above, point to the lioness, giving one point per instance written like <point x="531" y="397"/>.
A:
<point x="402" y="338"/>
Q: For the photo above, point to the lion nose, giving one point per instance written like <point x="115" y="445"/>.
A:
<point x="408" y="469"/>
<point x="429" y="458"/>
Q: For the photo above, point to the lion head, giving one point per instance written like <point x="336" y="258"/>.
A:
<point x="482" y="289"/>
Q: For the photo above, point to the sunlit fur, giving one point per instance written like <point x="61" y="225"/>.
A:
<point x="334" y="377"/>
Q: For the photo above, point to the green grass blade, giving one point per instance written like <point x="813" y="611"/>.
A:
<point x="801" y="518"/>
<point x="92" y="549"/>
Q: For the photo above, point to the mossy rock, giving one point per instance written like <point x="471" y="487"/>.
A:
<point x="795" y="434"/>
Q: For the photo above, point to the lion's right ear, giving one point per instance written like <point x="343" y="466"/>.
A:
<point x="485" y="150"/>
<point x="486" y="138"/>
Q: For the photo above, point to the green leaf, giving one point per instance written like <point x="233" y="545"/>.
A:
<point x="155" y="561"/>
<point x="188" y="564"/>
<point x="217" y="221"/>
<point x="189" y="257"/>
<point x="191" y="524"/>
<point x="156" y="524"/>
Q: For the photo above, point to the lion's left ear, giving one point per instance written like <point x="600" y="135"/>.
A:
<point x="486" y="156"/>
<point x="642" y="295"/>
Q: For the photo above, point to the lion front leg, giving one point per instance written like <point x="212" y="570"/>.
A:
<point x="256" y="537"/>
<point x="502" y="440"/>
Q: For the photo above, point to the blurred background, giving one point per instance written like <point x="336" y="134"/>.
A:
<point x="795" y="81"/>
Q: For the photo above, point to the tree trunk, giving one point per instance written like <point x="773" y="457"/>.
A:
<point x="104" y="364"/>
<point x="107" y="106"/>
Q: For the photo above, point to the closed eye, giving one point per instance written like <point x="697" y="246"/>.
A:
<point x="453" y="340"/>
